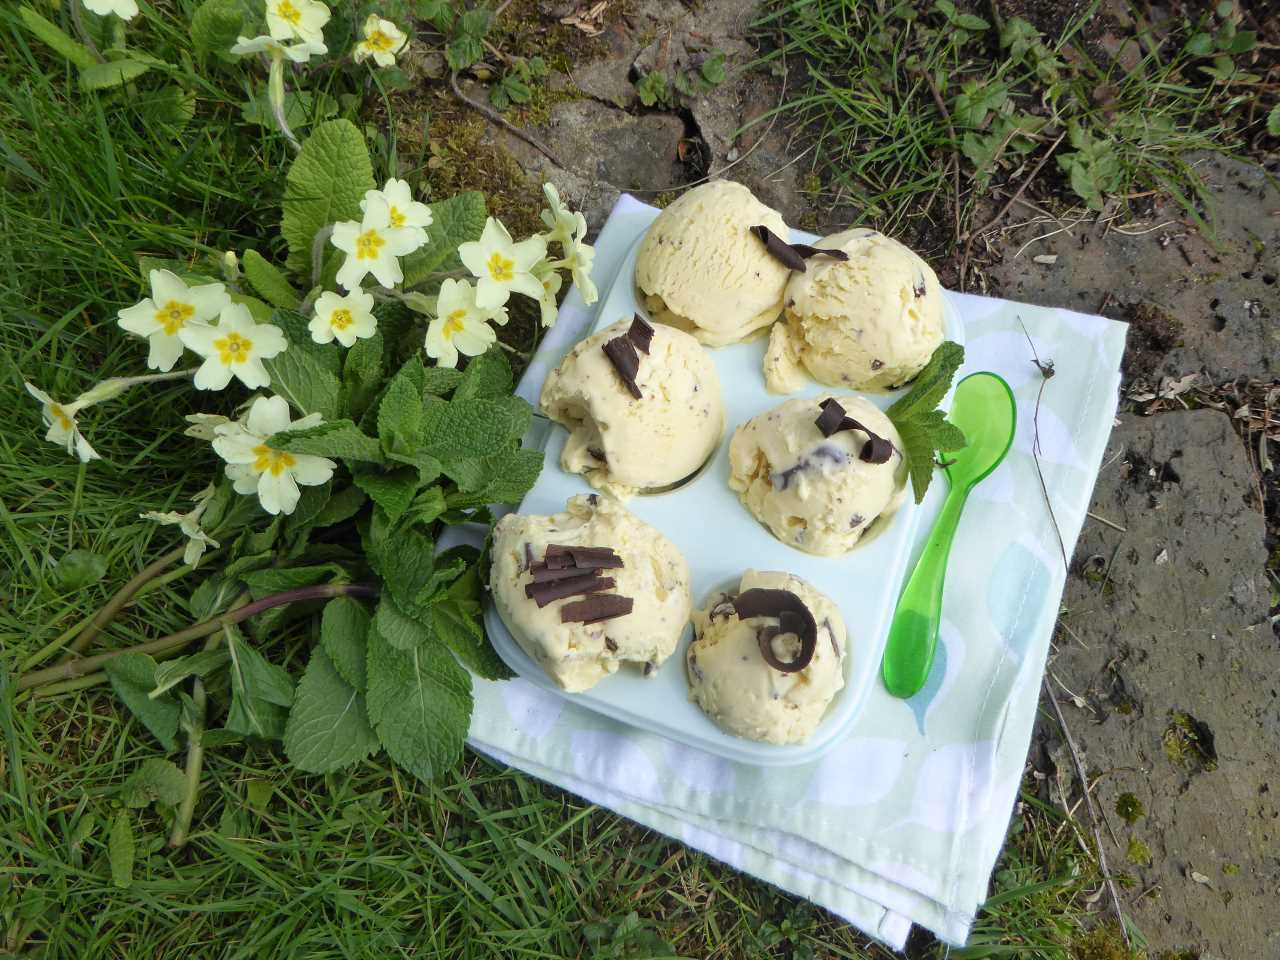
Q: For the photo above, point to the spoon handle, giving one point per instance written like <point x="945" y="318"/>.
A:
<point x="913" y="635"/>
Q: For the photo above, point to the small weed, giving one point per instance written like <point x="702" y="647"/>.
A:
<point x="1188" y="743"/>
<point x="1230" y="870"/>
<point x="1104" y="943"/>
<point x="1129" y="808"/>
<point x="1138" y="853"/>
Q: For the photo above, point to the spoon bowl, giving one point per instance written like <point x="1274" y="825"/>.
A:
<point x="986" y="413"/>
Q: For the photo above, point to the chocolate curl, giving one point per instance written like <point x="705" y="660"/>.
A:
<point x="832" y="420"/>
<point x="807" y="251"/>
<point x="793" y="617"/>
<point x="779" y="249"/>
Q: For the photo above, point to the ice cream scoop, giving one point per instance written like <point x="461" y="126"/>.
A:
<point x="587" y="590"/>
<point x="622" y="442"/>
<point x="701" y="269"/>
<point x="728" y="663"/>
<point x="813" y="491"/>
<point x="869" y="322"/>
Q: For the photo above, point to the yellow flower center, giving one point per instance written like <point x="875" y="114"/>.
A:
<point x="368" y="244"/>
<point x="501" y="269"/>
<point x="379" y="41"/>
<point x="233" y="348"/>
<point x="287" y="11"/>
<point x="340" y="319"/>
<point x="56" y="411"/>
<point x="173" y="315"/>
<point x="274" y="462"/>
<point x="397" y="218"/>
<point x="453" y="323"/>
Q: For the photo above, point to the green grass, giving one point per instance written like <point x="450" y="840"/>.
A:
<point x="894" y="94"/>
<point x="487" y="863"/>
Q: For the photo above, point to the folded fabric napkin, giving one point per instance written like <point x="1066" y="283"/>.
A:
<point x="902" y="822"/>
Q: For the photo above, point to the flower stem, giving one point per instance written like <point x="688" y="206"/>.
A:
<point x="275" y="94"/>
<point x="70" y="686"/>
<point x="77" y="18"/>
<point x="110" y="609"/>
<point x="175" y="641"/>
<point x="195" y="760"/>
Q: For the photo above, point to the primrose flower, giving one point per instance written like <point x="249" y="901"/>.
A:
<point x="345" y="319"/>
<point x="124" y="9"/>
<point x="403" y="211"/>
<point x="236" y="346"/>
<point x="460" y="325"/>
<point x="61" y="421"/>
<point x="171" y="306"/>
<point x="502" y="265"/>
<point x="297" y="19"/>
<point x="382" y="41"/>
<point x="578" y="257"/>
<point x="551" y="281"/>
<point x="297" y="52"/>
<point x="254" y="467"/>
<point x="189" y="524"/>
<point x="563" y="224"/>
<point x="372" y="245"/>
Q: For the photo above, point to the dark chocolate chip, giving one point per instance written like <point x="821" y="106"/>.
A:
<point x="807" y="251"/>
<point x="598" y="455"/>
<point x="779" y="249"/>
<point x="601" y="606"/>
<point x="877" y="364"/>
<point x="826" y="624"/>
<point x="528" y="556"/>
<point x="610" y="644"/>
<point x="793" y="617"/>
<point x="544" y="593"/>
<point x="648" y="664"/>
<point x="640" y="333"/>
<point x="622" y="354"/>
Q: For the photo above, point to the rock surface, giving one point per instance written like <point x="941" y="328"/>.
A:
<point x="1165" y="639"/>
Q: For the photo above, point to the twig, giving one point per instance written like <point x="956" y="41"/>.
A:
<point x="493" y="117"/>
<point x="1093" y="814"/>
<point x="1105" y="522"/>
<point x="951" y="135"/>
<point x="1046" y="371"/>
<point x="1026" y="182"/>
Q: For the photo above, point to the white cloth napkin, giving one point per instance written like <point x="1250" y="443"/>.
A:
<point x="902" y="822"/>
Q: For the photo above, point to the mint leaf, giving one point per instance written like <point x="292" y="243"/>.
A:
<point x="325" y="184"/>
<point x="455" y="622"/>
<point x="155" y="781"/>
<point x="919" y="423"/>
<point x="427" y="506"/>
<point x="488" y="375"/>
<point x="73" y="52"/>
<point x="261" y="692"/>
<point x="344" y="629"/>
<point x="328" y="726"/>
<point x="476" y="428"/>
<point x="392" y="490"/>
<point x="269" y="281"/>
<point x="440" y="380"/>
<point x="172" y="672"/>
<point x="133" y="677"/>
<point x="404" y="559"/>
<point x="263" y="583"/>
<point x="400" y="416"/>
<point x="120" y="850"/>
<point x="454" y="221"/>
<point x="420" y="705"/>
<point x="397" y="628"/>
<point x="336" y="439"/>
<point x="343" y="505"/>
<point x="514" y="474"/>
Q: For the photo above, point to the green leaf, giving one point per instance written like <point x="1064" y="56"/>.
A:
<point x="488" y="375"/>
<point x="398" y="628"/>
<point x="931" y="385"/>
<point x="344" y="629"/>
<point x="263" y="583"/>
<point x="713" y="69"/>
<point x="463" y="51"/>
<point x="405" y="560"/>
<point x="303" y="379"/>
<point x="114" y="73"/>
<point x="455" y="622"/>
<point x="216" y="24"/>
<point x="1018" y="36"/>
<point x="514" y="473"/>
<point x="969" y="21"/>
<point x="392" y="490"/>
<point x="172" y="672"/>
<point x="454" y="221"/>
<point x="343" y="505"/>
<point x="652" y="89"/>
<point x="75" y="53"/>
<point x="440" y="13"/>
<point x="328" y="727"/>
<point x="325" y="184"/>
<point x="1273" y="121"/>
<point x="427" y="506"/>
<point x="311" y="504"/>
<point x="77" y="569"/>
<point x="420" y="705"/>
<point x="301" y="109"/>
<point x="440" y="380"/>
<point x="475" y="22"/>
<point x="339" y="439"/>
<point x="155" y="781"/>
<point x="362" y="372"/>
<point x="267" y="279"/>
<point x="120" y="850"/>
<point x="920" y="424"/>
<point x="133" y="677"/>
<point x="261" y="692"/>
<point x="400" y="417"/>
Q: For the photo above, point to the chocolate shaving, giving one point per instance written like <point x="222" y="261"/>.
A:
<point x="541" y="573"/>
<point x="598" y="455"/>
<point x="640" y="334"/>
<point x="779" y="249"/>
<point x="832" y="420"/>
<point x="793" y="617"/>
<point x="528" y="556"/>
<point x="622" y="354"/>
<point x="557" y="557"/>
<point x="601" y="606"/>
<point x="610" y="644"/>
<point x="594" y="558"/>
<point x="807" y="251"/>
<point x="543" y="593"/>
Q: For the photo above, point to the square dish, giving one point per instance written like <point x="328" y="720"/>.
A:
<point x="720" y="539"/>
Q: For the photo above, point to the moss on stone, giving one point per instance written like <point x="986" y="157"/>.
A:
<point x="1138" y="853"/>
<point x="1129" y="808"/>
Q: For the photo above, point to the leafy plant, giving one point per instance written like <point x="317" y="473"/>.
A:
<point x="515" y="85"/>
<point x="920" y="424"/>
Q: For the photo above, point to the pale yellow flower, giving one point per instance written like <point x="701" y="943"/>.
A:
<point x="460" y="326"/>
<point x="236" y="346"/>
<point x="382" y="41"/>
<point x="254" y="467"/>
<point x="171" y="306"/>
<point x="502" y="265"/>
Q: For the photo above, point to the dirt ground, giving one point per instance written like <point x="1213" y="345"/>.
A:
<point x="1166" y="660"/>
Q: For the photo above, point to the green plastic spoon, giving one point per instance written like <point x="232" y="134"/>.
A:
<point x="984" y="410"/>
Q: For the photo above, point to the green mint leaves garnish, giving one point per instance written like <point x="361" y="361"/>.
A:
<point x="919" y="422"/>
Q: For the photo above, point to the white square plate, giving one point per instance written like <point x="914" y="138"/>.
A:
<point x="721" y="539"/>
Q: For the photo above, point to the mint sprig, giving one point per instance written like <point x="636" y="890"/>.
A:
<point x="920" y="424"/>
